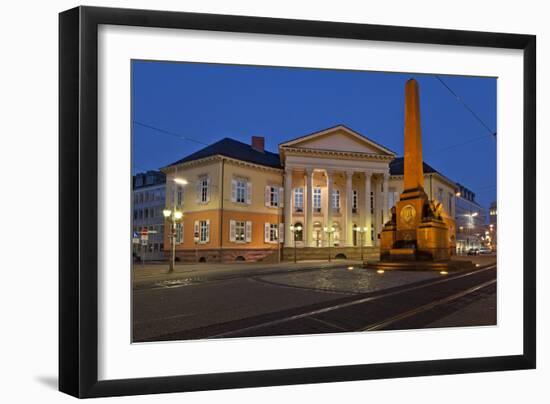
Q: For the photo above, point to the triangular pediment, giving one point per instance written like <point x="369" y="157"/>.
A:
<point x="339" y="138"/>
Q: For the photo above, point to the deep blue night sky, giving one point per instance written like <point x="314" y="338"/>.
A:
<point x="207" y="102"/>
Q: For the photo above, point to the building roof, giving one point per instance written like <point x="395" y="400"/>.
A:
<point x="234" y="149"/>
<point x="397" y="167"/>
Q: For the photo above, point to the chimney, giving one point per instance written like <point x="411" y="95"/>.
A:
<point x="258" y="143"/>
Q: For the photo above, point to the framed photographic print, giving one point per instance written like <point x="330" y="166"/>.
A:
<point x="253" y="201"/>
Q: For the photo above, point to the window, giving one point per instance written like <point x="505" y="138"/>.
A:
<point x="240" y="231"/>
<point x="440" y="194"/>
<point x="336" y="200"/>
<point x="179" y="233"/>
<point x="299" y="200"/>
<point x="204" y="231"/>
<point x="179" y="196"/>
<point x="146" y="213"/>
<point x="135" y="214"/>
<point x="354" y="201"/>
<point x="372" y="203"/>
<point x="240" y="228"/>
<point x="317" y="200"/>
<point x="271" y="233"/>
<point x="392" y="196"/>
<point x="240" y="191"/>
<point x="274" y="196"/>
<point x="450" y="206"/>
<point x="203" y="189"/>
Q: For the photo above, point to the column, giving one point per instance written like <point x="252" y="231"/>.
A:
<point x="349" y="208"/>
<point x="330" y="187"/>
<point x="386" y="214"/>
<point x="367" y="206"/>
<point x="288" y="210"/>
<point x="376" y="210"/>
<point x="309" y="208"/>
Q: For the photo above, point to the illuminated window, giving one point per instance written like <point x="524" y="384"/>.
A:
<point x="317" y="200"/>
<point x="336" y="200"/>
<point x="299" y="200"/>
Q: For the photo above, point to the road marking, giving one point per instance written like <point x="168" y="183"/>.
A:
<point x="328" y="323"/>
<point x="426" y="307"/>
<point x="348" y="304"/>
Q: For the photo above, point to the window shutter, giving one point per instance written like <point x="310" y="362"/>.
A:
<point x="249" y="192"/>
<point x="266" y="232"/>
<point x="208" y="189"/>
<point x="232" y="231"/>
<point x="267" y="195"/>
<point x="198" y="186"/>
<point x="248" y="231"/>
<point x="281" y="232"/>
<point x="233" y="191"/>
<point x="281" y="197"/>
<point x="207" y="231"/>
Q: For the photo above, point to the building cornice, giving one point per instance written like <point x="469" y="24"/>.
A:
<point x="336" y="153"/>
<point x="216" y="158"/>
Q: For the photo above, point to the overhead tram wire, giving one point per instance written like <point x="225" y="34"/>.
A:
<point x="166" y="132"/>
<point x="476" y="116"/>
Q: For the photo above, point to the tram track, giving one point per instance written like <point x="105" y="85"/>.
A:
<point x="365" y="312"/>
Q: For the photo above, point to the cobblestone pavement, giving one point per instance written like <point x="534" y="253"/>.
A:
<point x="348" y="280"/>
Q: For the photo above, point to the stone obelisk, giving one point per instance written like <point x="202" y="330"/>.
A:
<point x="416" y="231"/>
<point x="413" y="172"/>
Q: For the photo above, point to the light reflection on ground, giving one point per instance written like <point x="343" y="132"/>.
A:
<point x="344" y="280"/>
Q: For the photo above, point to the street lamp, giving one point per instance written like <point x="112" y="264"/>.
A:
<point x="174" y="216"/>
<point x="361" y="231"/>
<point x="329" y="231"/>
<point x="294" y="230"/>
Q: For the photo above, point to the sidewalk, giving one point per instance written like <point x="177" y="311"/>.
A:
<point x="145" y="275"/>
<point x="152" y="273"/>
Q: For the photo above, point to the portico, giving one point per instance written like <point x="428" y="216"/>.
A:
<point x="335" y="179"/>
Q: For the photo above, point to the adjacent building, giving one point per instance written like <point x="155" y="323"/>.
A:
<point x="331" y="189"/>
<point x="491" y="232"/>
<point x="471" y="219"/>
<point x="149" y="190"/>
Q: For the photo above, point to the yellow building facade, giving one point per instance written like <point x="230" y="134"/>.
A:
<point x="242" y="202"/>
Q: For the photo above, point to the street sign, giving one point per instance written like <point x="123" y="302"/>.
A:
<point x="135" y="240"/>
<point x="143" y="241"/>
<point x="144" y="231"/>
<point x="144" y="237"/>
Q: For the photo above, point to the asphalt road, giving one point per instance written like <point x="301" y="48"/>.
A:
<point x="319" y="301"/>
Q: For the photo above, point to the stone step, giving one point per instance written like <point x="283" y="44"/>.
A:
<point x="322" y="253"/>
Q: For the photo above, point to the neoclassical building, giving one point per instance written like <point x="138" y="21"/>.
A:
<point x="242" y="202"/>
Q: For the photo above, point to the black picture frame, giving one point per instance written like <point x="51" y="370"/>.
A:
<point x="78" y="201"/>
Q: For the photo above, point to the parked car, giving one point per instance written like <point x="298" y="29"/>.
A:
<point x="485" y="250"/>
<point x="473" y="251"/>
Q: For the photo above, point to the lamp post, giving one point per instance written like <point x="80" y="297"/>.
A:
<point x="329" y="231"/>
<point x="174" y="216"/>
<point x="295" y="229"/>
<point x="361" y="231"/>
